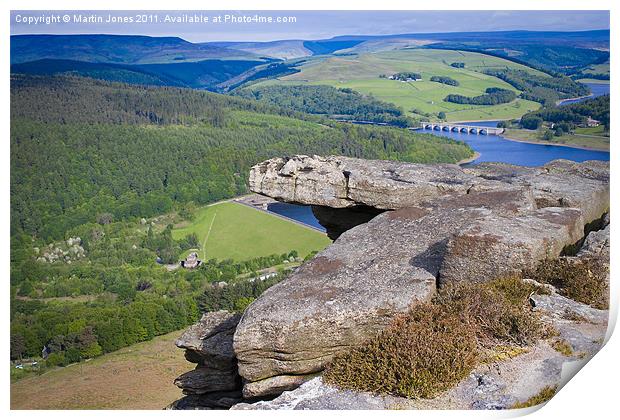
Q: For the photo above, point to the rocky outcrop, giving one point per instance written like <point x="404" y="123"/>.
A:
<point x="560" y="183"/>
<point x="491" y="386"/>
<point x="64" y="251"/>
<point x="435" y="224"/>
<point x="354" y="288"/>
<point x="339" y="182"/>
<point x="215" y="382"/>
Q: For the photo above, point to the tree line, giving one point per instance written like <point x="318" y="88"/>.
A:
<point x="343" y="103"/>
<point x="492" y="96"/>
<point x="445" y="80"/>
<point x="567" y="117"/>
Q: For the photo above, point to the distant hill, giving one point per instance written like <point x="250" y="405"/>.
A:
<point x="555" y="51"/>
<point x="173" y="61"/>
<point x="103" y="71"/>
<point x="580" y="39"/>
<point x="551" y="50"/>
<point x="119" y="49"/>
<point x="198" y="74"/>
<point x="288" y="49"/>
<point x="285" y="50"/>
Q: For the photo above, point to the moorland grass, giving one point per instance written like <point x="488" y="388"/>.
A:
<point x="583" y="279"/>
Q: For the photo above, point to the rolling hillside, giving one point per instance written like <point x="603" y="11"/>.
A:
<point x="423" y="98"/>
<point x="286" y="49"/>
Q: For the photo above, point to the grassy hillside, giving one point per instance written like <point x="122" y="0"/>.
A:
<point x="232" y="230"/>
<point x="138" y="377"/>
<point x="361" y="73"/>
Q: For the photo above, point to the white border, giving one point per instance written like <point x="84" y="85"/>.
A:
<point x="593" y="393"/>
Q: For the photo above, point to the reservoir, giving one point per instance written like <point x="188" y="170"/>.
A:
<point x="491" y="148"/>
<point x="494" y="148"/>
<point x="302" y="214"/>
<point x="597" y="89"/>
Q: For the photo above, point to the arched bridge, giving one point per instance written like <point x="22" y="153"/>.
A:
<point x="461" y="128"/>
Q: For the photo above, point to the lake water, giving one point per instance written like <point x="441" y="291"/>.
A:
<point x="492" y="148"/>
<point x="597" y="89"/>
<point x="302" y="214"/>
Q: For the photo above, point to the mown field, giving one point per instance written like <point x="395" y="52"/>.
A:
<point x="232" y="230"/>
<point x="361" y="73"/>
<point x="137" y="377"/>
<point x="587" y="140"/>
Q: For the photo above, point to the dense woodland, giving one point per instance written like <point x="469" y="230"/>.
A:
<point x="164" y="146"/>
<point x="492" y="96"/>
<point x="543" y="89"/>
<point x="341" y="103"/>
<point x="116" y="295"/>
<point x="95" y="160"/>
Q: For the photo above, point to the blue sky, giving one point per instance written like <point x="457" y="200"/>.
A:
<point x="319" y="24"/>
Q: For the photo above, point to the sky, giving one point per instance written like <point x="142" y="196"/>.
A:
<point x="307" y="24"/>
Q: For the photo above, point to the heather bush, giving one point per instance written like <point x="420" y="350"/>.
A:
<point x="583" y="279"/>
<point x="434" y="345"/>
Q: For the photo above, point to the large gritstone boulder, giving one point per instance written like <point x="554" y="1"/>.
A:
<point x="560" y="183"/>
<point x="340" y="182"/>
<point x="354" y="288"/>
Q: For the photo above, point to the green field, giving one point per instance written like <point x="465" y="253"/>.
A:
<point x="361" y="73"/>
<point x="232" y="230"/>
<point x="586" y="141"/>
